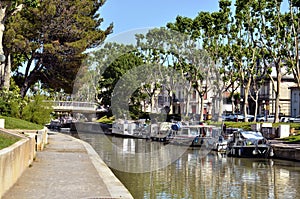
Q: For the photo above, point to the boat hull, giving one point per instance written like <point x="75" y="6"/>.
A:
<point x="253" y="151"/>
<point x="193" y="142"/>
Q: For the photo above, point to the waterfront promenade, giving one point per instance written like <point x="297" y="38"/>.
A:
<point x="67" y="168"/>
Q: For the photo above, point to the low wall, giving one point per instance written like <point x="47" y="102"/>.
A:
<point x="90" y="127"/>
<point x="14" y="160"/>
<point x="19" y="156"/>
<point x="287" y="153"/>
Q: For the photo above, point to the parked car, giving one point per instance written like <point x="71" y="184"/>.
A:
<point x="263" y="118"/>
<point x="285" y="119"/>
<point x="260" y="118"/>
<point x="226" y="117"/>
<point x="236" y="117"/>
<point x="270" y="118"/>
<point x="295" y="119"/>
<point x="250" y="118"/>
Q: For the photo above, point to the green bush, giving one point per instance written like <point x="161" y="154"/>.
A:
<point x="37" y="110"/>
<point x="106" y="120"/>
<point x="11" y="102"/>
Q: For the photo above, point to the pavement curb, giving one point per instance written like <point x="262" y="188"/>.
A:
<point x="114" y="185"/>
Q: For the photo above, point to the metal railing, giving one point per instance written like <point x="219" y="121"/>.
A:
<point x="74" y="105"/>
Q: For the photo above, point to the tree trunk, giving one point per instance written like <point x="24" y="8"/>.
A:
<point x="7" y="71"/>
<point x="256" y="106"/>
<point x="2" y="28"/>
<point x="188" y="97"/>
<point x="220" y="98"/>
<point x="277" y="94"/>
<point x="246" y="94"/>
<point x="201" y="107"/>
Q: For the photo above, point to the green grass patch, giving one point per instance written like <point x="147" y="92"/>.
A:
<point x="14" y="123"/>
<point x="293" y="139"/>
<point x="106" y="120"/>
<point x="6" y="140"/>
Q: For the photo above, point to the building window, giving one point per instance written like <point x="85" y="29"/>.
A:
<point x="194" y="95"/>
<point x="194" y="109"/>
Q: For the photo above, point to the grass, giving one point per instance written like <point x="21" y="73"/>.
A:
<point x="7" y="140"/>
<point x="106" y="120"/>
<point x="293" y="139"/>
<point x="14" y="123"/>
<point x="247" y="125"/>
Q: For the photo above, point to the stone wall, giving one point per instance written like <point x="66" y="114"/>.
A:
<point x="19" y="156"/>
<point x="287" y="153"/>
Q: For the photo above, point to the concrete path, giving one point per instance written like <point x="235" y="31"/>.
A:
<point x="67" y="168"/>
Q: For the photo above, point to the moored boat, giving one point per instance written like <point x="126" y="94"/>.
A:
<point x="160" y="131"/>
<point x="221" y="145"/>
<point x="130" y="128"/>
<point x="201" y="135"/>
<point x="249" y="144"/>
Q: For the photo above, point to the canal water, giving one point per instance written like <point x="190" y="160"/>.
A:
<point x="154" y="170"/>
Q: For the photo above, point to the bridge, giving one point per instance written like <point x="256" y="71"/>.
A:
<point x="89" y="109"/>
<point x="75" y="106"/>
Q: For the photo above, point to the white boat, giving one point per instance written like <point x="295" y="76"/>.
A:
<point x="130" y="128"/>
<point x="250" y="144"/>
<point x="196" y="136"/>
<point x="221" y="145"/>
<point x="160" y="132"/>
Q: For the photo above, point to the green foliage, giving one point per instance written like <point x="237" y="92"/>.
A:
<point x="11" y="102"/>
<point x="114" y="72"/>
<point x="48" y="38"/>
<point x="106" y="120"/>
<point x="37" y="110"/>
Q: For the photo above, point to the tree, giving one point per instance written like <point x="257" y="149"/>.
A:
<point x="111" y="62"/>
<point x="7" y="10"/>
<point x="272" y="40"/>
<point x="50" y="40"/>
<point x="161" y="48"/>
<point x="291" y="20"/>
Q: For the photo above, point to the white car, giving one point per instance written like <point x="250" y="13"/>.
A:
<point x="295" y="119"/>
<point x="285" y="119"/>
<point x="263" y="118"/>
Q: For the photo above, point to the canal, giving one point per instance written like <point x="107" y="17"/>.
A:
<point x="154" y="170"/>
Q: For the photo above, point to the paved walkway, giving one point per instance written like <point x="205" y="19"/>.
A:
<point x="67" y="168"/>
<point x="281" y="143"/>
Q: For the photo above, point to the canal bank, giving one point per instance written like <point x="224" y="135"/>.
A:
<point x="286" y="151"/>
<point x="67" y="168"/>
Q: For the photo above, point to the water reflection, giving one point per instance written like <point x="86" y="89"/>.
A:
<point x="195" y="174"/>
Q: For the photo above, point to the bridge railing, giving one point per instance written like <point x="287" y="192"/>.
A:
<point x="75" y="104"/>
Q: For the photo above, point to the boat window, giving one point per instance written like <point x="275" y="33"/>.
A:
<point x="185" y="132"/>
<point x="193" y="131"/>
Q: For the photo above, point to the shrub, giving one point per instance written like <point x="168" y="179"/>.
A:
<point x="37" y="110"/>
<point x="11" y="102"/>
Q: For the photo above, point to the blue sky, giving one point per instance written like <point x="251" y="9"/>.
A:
<point x="138" y="16"/>
<point x="128" y="15"/>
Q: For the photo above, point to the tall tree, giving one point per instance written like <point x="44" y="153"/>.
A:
<point x="50" y="41"/>
<point x="291" y="19"/>
<point x="7" y="10"/>
<point x="272" y="41"/>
